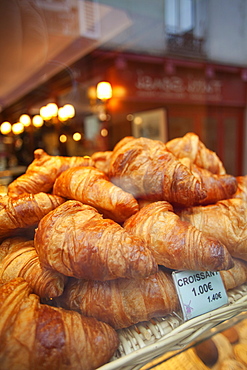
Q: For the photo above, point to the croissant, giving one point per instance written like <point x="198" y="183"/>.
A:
<point x="21" y="260"/>
<point x="225" y="220"/>
<point x="25" y="211"/>
<point x="41" y="337"/>
<point x="241" y="191"/>
<point x="92" y="187"/>
<point x="144" y="168"/>
<point x="176" y="244"/>
<point x="218" y="187"/>
<point x="42" y="172"/>
<point x="7" y="246"/>
<point x="123" y="302"/>
<point x="236" y="276"/>
<point x="101" y="160"/>
<point x="77" y="241"/>
<point x="191" y="146"/>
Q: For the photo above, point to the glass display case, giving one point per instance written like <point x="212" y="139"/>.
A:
<point x="79" y="76"/>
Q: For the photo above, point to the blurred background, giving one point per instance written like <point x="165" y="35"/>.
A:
<point x="76" y="76"/>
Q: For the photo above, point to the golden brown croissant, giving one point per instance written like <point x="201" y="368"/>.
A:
<point x="101" y="160"/>
<point x="21" y="260"/>
<point x="191" y="146"/>
<point x="218" y="187"/>
<point x="123" y="302"/>
<point x="77" y="241"/>
<point x="177" y="244"/>
<point x="144" y="168"/>
<point x="242" y="188"/>
<point x="92" y="187"/>
<point x="41" y="337"/>
<point x="43" y="171"/>
<point x="25" y="211"/>
<point x="225" y="220"/>
<point x="236" y="276"/>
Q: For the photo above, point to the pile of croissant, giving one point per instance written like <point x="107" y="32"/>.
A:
<point x="88" y="245"/>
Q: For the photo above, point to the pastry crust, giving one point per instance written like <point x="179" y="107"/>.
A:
<point x="123" y="302"/>
<point x="190" y="146"/>
<point x="225" y="220"/>
<point x="77" y="241"/>
<point x="39" y="336"/>
<point x="177" y="244"/>
<point x="92" y="187"/>
<point x="42" y="173"/>
<point x="144" y="168"/>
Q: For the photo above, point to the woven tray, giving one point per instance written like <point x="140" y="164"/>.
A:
<point x="142" y="343"/>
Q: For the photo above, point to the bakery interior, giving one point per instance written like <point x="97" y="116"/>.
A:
<point x="149" y="99"/>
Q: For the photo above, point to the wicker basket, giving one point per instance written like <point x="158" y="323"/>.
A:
<point x="146" y="341"/>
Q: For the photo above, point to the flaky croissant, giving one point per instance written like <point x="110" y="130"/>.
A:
<point x="236" y="276"/>
<point x="25" y="211"/>
<point x="92" y="187"/>
<point x="177" y="244"/>
<point x="225" y="220"/>
<point x="123" y="302"/>
<point x="41" y="337"/>
<point x="242" y="188"/>
<point x="190" y="146"/>
<point x="77" y="241"/>
<point x="42" y="172"/>
<point x="21" y="260"/>
<point x="218" y="187"/>
<point x="144" y="168"/>
<point x="101" y="160"/>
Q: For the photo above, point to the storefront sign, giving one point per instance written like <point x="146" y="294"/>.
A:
<point x="185" y="86"/>
<point x="174" y="87"/>
<point x="199" y="292"/>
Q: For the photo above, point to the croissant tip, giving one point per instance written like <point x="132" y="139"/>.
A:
<point x="222" y="257"/>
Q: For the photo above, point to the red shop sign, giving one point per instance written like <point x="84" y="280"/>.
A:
<point x="187" y="88"/>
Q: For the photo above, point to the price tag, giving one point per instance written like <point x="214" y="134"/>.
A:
<point x="199" y="292"/>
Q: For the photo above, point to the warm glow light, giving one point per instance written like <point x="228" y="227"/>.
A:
<point x="102" y="116"/>
<point x="25" y="120"/>
<point x="37" y="121"/>
<point x="52" y="108"/>
<point x="104" y="90"/>
<point x="104" y="132"/>
<point x="137" y="120"/>
<point x="130" y="117"/>
<point x="70" y="110"/>
<point x="91" y="93"/>
<point x="17" y="128"/>
<point x="5" y="128"/>
<point x="63" y="138"/>
<point x="77" y="136"/>
<point x="45" y="113"/>
<point x="62" y="114"/>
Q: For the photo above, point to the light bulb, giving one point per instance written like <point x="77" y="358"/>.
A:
<point x="5" y="128"/>
<point x="104" y="90"/>
<point x="37" y="121"/>
<point x="62" y="114"/>
<point x="77" y="136"/>
<point x="17" y="128"/>
<point x="104" y="132"/>
<point x="25" y="120"/>
<point x="70" y="110"/>
<point x="63" y="138"/>
<point x="52" y="109"/>
<point x="45" y="113"/>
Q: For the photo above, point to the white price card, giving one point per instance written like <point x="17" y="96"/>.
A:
<point x="199" y="292"/>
